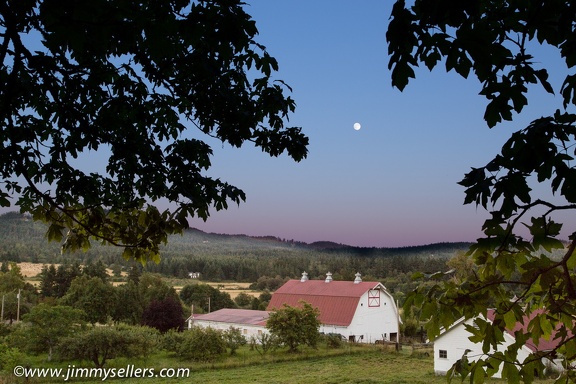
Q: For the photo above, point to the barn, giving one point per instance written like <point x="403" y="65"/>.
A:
<point x="251" y="323"/>
<point x="360" y="311"/>
<point x="451" y="345"/>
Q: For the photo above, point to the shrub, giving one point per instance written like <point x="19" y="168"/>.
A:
<point x="409" y="327"/>
<point x="172" y="340"/>
<point x="143" y="340"/>
<point x="99" y="344"/>
<point x="11" y="357"/>
<point x="234" y="339"/>
<point x="201" y="344"/>
<point x="264" y="343"/>
<point x="333" y="340"/>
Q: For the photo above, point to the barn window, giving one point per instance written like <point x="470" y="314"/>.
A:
<point x="374" y="298"/>
<point x="443" y="354"/>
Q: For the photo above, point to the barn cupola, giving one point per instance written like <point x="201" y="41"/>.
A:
<point x="328" y="277"/>
<point x="358" y="278"/>
<point x="304" y="277"/>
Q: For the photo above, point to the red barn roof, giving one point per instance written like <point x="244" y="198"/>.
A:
<point x="543" y="344"/>
<point x="336" y="300"/>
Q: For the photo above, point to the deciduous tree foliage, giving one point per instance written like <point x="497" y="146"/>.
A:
<point x="12" y="283"/>
<point x="197" y="343"/>
<point x="294" y="326"/>
<point x="45" y="326"/>
<point x="100" y="344"/>
<point x="128" y="80"/>
<point x="205" y="297"/>
<point x="496" y="41"/>
<point x="234" y="339"/>
<point x="164" y="314"/>
<point x="93" y="296"/>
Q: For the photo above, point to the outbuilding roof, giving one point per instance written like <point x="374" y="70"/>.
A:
<point x="544" y="344"/>
<point x="236" y="316"/>
<point x="336" y="300"/>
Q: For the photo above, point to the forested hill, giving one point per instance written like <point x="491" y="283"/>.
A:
<point x="231" y="257"/>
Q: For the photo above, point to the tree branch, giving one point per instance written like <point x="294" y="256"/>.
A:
<point x="566" y="270"/>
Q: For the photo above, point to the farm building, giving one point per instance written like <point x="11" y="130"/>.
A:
<point x="451" y="345"/>
<point x="250" y="322"/>
<point x="359" y="311"/>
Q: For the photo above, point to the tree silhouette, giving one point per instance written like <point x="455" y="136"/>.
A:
<point x="126" y="81"/>
<point x="519" y="276"/>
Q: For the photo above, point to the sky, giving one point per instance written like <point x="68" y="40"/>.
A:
<point x="393" y="183"/>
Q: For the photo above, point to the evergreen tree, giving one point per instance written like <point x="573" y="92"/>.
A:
<point x="48" y="281"/>
<point x="97" y="269"/>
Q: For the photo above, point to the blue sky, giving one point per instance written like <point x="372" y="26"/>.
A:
<point x="393" y="182"/>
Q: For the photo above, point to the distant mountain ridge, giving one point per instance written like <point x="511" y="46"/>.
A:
<point x="23" y="238"/>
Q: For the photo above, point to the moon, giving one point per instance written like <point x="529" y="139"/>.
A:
<point x="357" y="126"/>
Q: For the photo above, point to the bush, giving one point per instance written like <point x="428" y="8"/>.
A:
<point x="234" y="339"/>
<point x="264" y="343"/>
<point x="409" y="327"/>
<point x="333" y="340"/>
<point x="143" y="340"/>
<point x="172" y="340"/>
<point x="5" y="330"/>
<point x="11" y="357"/>
<point x="99" y="344"/>
<point x="201" y="344"/>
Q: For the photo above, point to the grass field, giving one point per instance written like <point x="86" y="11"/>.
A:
<point x="359" y="365"/>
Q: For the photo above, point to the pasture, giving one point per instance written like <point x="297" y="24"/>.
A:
<point x="359" y="364"/>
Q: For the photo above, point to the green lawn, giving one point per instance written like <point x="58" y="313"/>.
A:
<point x="374" y="367"/>
<point x="365" y="364"/>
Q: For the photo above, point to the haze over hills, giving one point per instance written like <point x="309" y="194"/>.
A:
<point x="222" y="257"/>
<point x="20" y="234"/>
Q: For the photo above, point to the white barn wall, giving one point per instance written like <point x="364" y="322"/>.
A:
<point x="247" y="330"/>
<point x="339" y="329"/>
<point x="374" y="323"/>
<point x="455" y="342"/>
<point x="370" y="324"/>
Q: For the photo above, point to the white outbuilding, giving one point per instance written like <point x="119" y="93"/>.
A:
<point x="454" y="342"/>
<point x="251" y="323"/>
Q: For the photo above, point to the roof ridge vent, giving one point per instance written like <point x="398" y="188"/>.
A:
<point x="358" y="278"/>
<point x="328" y="277"/>
<point x="304" y="277"/>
